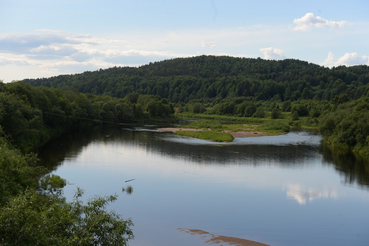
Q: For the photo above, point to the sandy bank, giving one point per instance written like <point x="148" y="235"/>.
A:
<point x="239" y="134"/>
<point x="169" y="129"/>
<point x="219" y="239"/>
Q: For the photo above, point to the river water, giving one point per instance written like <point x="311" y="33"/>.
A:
<point x="282" y="190"/>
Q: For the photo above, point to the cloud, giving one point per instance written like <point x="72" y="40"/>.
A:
<point x="303" y="195"/>
<point x="309" y="21"/>
<point x="348" y="59"/>
<point x="209" y="44"/>
<point x="20" y="43"/>
<point x="273" y="53"/>
<point x="60" y="52"/>
<point x="48" y="49"/>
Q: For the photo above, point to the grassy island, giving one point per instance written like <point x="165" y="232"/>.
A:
<point x="214" y="130"/>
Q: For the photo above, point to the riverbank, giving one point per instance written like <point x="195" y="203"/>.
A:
<point x="240" y="134"/>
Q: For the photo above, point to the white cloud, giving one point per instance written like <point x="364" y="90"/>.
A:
<point x="308" y="21"/>
<point x="56" y="52"/>
<point x="272" y="53"/>
<point x="59" y="51"/>
<point x="303" y="195"/>
<point x="348" y="59"/>
<point x="209" y="44"/>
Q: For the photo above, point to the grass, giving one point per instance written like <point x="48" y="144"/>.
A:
<point x="213" y="129"/>
<point x="207" y="135"/>
<point x="273" y="127"/>
<point x="240" y="127"/>
<point x="205" y="124"/>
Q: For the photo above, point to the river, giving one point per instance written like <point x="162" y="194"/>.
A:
<point x="283" y="190"/>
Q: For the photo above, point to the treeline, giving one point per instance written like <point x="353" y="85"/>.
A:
<point x="33" y="115"/>
<point x="211" y="78"/>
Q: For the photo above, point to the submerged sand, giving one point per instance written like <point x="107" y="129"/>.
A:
<point x="219" y="239"/>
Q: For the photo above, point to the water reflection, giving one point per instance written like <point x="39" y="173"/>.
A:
<point x="303" y="195"/>
<point x="275" y="191"/>
<point x="291" y="150"/>
<point x="354" y="170"/>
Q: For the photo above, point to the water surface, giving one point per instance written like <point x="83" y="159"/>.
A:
<point x="281" y="190"/>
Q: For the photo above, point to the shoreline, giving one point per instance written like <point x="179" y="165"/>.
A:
<point x="240" y="134"/>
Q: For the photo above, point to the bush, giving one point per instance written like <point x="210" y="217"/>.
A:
<point x="260" y="112"/>
<point x="274" y="125"/>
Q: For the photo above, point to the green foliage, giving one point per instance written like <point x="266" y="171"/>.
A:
<point x="220" y="77"/>
<point x="226" y="108"/>
<point x="33" y="115"/>
<point x="17" y="172"/>
<point x="275" y="126"/>
<point x="286" y="107"/>
<point x="250" y="110"/>
<point x="207" y="135"/>
<point x="347" y="127"/>
<point x="32" y="218"/>
<point x="295" y="115"/>
<point x="198" y="108"/>
<point x="301" y="109"/>
<point x="260" y="112"/>
<point x="205" y="124"/>
<point x="276" y="113"/>
<point x="52" y="184"/>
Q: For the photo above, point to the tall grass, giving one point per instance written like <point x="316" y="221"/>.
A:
<point x="207" y="135"/>
<point x="206" y="124"/>
<point x="274" y="126"/>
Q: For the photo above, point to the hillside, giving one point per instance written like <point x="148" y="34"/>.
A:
<point x="335" y="100"/>
<point x="206" y="78"/>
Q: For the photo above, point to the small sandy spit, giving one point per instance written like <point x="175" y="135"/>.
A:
<point x="234" y="134"/>
<point x="169" y="129"/>
<point x="223" y="240"/>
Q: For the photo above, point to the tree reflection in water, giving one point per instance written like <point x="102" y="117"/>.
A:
<point x="287" y="155"/>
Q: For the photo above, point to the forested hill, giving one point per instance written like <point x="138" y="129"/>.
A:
<point x="217" y="77"/>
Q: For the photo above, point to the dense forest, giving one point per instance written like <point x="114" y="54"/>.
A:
<point x="210" y="78"/>
<point x="33" y="210"/>
<point x="335" y="100"/>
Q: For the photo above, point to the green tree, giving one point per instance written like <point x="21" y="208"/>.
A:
<point x="260" y="112"/>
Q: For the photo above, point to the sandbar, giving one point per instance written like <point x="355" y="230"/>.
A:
<point x="219" y="239"/>
<point x="240" y="134"/>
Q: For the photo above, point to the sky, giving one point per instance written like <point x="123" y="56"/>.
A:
<point x="44" y="38"/>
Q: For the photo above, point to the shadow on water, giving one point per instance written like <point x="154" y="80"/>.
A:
<point x="291" y="151"/>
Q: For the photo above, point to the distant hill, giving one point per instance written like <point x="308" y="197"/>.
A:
<point x="218" y="77"/>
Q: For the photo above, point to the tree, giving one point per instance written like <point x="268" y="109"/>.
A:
<point x="260" y="112"/>
<point x="198" y="108"/>
<point x="37" y="219"/>
<point x="276" y="113"/>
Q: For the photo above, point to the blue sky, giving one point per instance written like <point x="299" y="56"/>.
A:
<point x="42" y="38"/>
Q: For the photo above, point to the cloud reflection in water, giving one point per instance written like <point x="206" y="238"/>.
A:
<point x="303" y="195"/>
